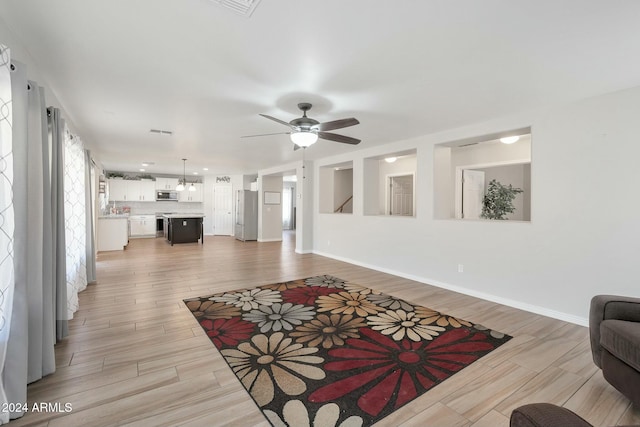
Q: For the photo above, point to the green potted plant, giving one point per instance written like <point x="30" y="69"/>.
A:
<point x="498" y="202"/>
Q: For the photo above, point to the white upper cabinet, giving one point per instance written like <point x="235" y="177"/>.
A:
<point x="147" y="192"/>
<point x="191" y="196"/>
<point x="117" y="190"/>
<point x="122" y="190"/>
<point x="166" y="183"/>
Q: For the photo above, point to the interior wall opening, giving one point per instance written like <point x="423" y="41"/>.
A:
<point x="336" y="188"/>
<point x="389" y="184"/>
<point x="484" y="178"/>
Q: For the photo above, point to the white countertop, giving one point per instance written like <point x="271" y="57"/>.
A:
<point x="115" y="216"/>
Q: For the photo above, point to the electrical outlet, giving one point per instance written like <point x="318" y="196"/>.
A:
<point x="460" y="268"/>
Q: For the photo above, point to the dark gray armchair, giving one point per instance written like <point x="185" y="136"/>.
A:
<point x="614" y="329"/>
<point x="546" y="415"/>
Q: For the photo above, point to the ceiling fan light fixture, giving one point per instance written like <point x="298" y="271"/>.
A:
<point x="509" y="139"/>
<point x="304" y="138"/>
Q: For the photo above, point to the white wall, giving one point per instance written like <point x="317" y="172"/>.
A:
<point x="342" y="190"/>
<point x="269" y="216"/>
<point x="583" y="237"/>
<point x="325" y="191"/>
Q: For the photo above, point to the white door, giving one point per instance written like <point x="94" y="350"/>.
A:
<point x="401" y="195"/>
<point x="222" y="207"/>
<point x="472" y="193"/>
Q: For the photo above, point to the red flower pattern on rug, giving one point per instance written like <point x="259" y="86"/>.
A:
<point x="223" y="332"/>
<point x="340" y="353"/>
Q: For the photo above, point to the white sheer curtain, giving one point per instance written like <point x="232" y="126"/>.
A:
<point x="75" y="219"/>
<point x="6" y="215"/>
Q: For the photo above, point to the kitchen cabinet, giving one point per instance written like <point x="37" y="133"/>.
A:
<point x="145" y="191"/>
<point x="191" y="196"/>
<point x="117" y="190"/>
<point x="122" y="190"/>
<point x="166" y="183"/>
<point x="112" y="233"/>
<point x="142" y="226"/>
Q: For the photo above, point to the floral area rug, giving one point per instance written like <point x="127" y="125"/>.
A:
<point x="321" y="351"/>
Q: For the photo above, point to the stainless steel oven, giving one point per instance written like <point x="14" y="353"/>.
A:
<point x="159" y="225"/>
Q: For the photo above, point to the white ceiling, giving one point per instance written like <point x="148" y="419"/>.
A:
<point x="404" y="68"/>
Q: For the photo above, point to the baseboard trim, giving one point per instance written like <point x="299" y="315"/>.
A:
<point x="577" y="320"/>
<point x="269" y="240"/>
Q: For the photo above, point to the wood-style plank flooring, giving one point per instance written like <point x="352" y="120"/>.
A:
<point x="135" y="356"/>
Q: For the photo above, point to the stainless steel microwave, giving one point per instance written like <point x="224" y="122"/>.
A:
<point x="166" y="195"/>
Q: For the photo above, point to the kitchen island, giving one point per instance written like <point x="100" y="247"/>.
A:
<point x="183" y="228"/>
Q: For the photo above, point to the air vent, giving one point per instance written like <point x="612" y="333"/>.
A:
<point x="162" y="132"/>
<point x="468" y="145"/>
<point x="241" y="7"/>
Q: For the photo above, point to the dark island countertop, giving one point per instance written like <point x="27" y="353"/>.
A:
<point x="183" y="215"/>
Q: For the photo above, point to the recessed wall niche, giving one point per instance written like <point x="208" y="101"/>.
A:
<point x="336" y="188"/>
<point x="390" y="184"/>
<point x="464" y="172"/>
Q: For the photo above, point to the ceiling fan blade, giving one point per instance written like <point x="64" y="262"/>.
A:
<point x="282" y="122"/>
<point x="266" y="134"/>
<point x="338" y="138"/>
<point x="337" y="124"/>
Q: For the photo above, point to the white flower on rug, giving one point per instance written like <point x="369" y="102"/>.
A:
<point x="325" y="281"/>
<point x="294" y="413"/>
<point x="267" y="362"/>
<point x="389" y="302"/>
<point x="357" y="289"/>
<point x="250" y="299"/>
<point x="278" y="316"/>
<point x="429" y="316"/>
<point x="400" y="324"/>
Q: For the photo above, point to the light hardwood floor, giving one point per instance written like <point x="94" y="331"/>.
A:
<point x="135" y="356"/>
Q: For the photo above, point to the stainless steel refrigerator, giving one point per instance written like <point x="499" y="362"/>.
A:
<point x="246" y="215"/>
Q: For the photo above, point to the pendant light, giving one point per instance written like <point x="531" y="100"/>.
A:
<point x="192" y="187"/>
<point x="181" y="184"/>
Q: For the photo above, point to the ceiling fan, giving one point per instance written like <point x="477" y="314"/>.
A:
<point x="306" y="131"/>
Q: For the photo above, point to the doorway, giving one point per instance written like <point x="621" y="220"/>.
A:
<point x="222" y="210"/>
<point x="288" y="207"/>
<point x="401" y="194"/>
<point x="472" y="194"/>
